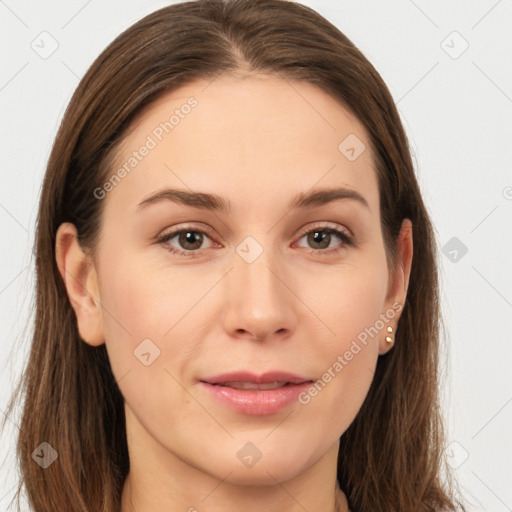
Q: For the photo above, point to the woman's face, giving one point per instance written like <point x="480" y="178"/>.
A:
<point x="242" y="245"/>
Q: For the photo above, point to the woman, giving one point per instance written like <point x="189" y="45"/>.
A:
<point x="237" y="297"/>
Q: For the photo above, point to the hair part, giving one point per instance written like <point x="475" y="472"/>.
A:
<point x="390" y="457"/>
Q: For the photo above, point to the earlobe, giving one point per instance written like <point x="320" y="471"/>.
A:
<point x="81" y="281"/>
<point x="399" y="284"/>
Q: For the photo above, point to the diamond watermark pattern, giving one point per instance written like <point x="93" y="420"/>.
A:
<point x="454" y="249"/>
<point x="351" y="147"/>
<point x="45" y="45"/>
<point x="454" y="45"/>
<point x="45" y="455"/>
<point x="249" y="249"/>
<point x="456" y="454"/>
<point x="146" y="352"/>
<point x="249" y="455"/>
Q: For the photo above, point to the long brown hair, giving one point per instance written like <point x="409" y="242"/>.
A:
<point x="391" y="456"/>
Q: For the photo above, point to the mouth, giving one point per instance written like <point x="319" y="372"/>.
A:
<point x="254" y="385"/>
<point x="275" y="378"/>
<point x="251" y="394"/>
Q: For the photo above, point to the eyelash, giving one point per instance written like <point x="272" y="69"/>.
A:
<point x="342" y="235"/>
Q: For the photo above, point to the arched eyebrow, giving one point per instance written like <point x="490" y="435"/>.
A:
<point x="319" y="197"/>
<point x="200" y="200"/>
<point x="214" y="202"/>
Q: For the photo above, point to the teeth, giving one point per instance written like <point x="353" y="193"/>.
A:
<point x="252" y="385"/>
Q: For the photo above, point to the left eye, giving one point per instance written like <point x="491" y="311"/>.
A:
<point x="323" y="236"/>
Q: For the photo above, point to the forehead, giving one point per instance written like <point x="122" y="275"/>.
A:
<point x="252" y="139"/>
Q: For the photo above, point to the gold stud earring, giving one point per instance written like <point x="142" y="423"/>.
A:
<point x="389" y="339"/>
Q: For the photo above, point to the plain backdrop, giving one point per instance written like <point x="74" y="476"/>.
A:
<point x="448" y="65"/>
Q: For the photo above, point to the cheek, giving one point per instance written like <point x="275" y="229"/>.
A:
<point x="352" y="304"/>
<point x="140" y="310"/>
<point x="154" y="320"/>
<point x="144" y="322"/>
<point x="143" y="296"/>
<point x="352" y="309"/>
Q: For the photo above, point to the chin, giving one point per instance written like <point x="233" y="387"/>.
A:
<point x="262" y="474"/>
<point x="259" y="464"/>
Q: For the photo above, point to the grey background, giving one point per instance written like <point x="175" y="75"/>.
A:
<point x="456" y="106"/>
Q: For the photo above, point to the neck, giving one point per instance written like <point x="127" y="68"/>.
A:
<point x="159" y="480"/>
<point x="135" y="499"/>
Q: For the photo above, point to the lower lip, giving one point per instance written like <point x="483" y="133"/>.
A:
<point x="258" y="402"/>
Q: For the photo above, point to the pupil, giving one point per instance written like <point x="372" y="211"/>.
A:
<point x="190" y="238"/>
<point x="320" y="237"/>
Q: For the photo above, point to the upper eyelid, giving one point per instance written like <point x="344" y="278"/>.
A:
<point x="327" y="225"/>
<point x="189" y="227"/>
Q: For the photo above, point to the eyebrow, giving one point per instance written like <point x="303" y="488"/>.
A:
<point x="214" y="202"/>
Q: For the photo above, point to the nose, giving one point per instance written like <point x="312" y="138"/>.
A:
<point x="260" y="303"/>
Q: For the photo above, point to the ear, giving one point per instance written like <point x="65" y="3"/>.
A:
<point x="398" y="285"/>
<point x="81" y="282"/>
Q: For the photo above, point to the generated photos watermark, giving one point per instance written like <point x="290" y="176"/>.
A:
<point x="156" y="136"/>
<point x="355" y="347"/>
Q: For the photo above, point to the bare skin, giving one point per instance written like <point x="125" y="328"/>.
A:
<point x="257" y="142"/>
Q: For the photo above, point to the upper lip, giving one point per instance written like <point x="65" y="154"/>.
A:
<point x="263" y="378"/>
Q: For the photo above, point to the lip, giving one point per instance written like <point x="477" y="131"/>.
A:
<point x="257" y="402"/>
<point x="263" y="378"/>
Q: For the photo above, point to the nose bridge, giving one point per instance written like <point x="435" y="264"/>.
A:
<point x="259" y="302"/>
